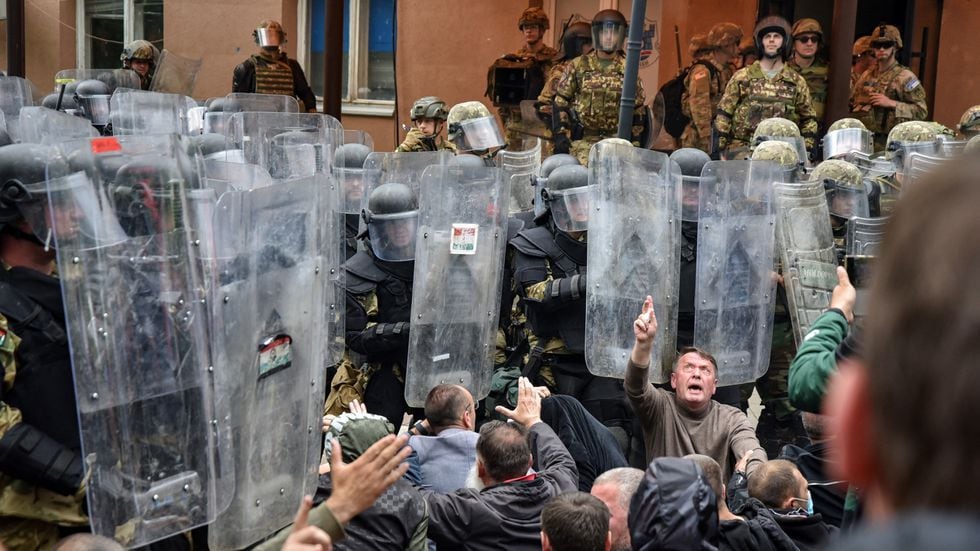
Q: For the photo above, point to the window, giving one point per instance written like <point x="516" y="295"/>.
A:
<point x="108" y="25"/>
<point x="368" y="53"/>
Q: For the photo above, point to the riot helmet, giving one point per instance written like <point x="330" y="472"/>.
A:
<point x="145" y="195"/>
<point x="473" y="128"/>
<point x="391" y="218"/>
<point x="577" y="36"/>
<point x="269" y="34"/>
<point x="773" y="24"/>
<point x="92" y="97"/>
<point x="355" y="432"/>
<point x="781" y="153"/>
<point x="690" y="161"/>
<point x="566" y="195"/>
<point x="608" y="31"/>
<point x="294" y="154"/>
<point x="969" y="124"/>
<point x="467" y="160"/>
<point x="845" y="136"/>
<point x="847" y="195"/>
<point x="908" y="137"/>
<point x="846" y="122"/>
<point x="780" y="129"/>
<point x="24" y="173"/>
<point x="555" y="161"/>
<point x="348" y="168"/>
<point x="215" y="146"/>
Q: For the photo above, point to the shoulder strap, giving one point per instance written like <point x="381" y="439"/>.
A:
<point x="540" y="242"/>
<point x="20" y="310"/>
<point x="363" y="274"/>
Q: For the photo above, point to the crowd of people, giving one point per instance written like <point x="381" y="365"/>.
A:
<point x="608" y="411"/>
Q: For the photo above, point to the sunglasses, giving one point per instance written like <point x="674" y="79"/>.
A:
<point x="808" y="39"/>
<point x="882" y="45"/>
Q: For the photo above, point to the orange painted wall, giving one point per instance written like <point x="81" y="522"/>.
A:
<point x="957" y="72"/>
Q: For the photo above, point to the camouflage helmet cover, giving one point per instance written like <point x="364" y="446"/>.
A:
<point x="970" y="121"/>
<point x="912" y="132"/>
<point x="941" y="129"/>
<point x="429" y="107"/>
<point x="466" y="111"/>
<point x="775" y="127"/>
<point x="838" y="174"/>
<point x="780" y="152"/>
<point x="698" y="44"/>
<point x="847" y="122"/>
<point x="356" y="432"/>
<point x="534" y="16"/>
<point x="807" y="25"/>
<point x="861" y="46"/>
<point x="887" y="32"/>
<point x="142" y="50"/>
<point x="773" y="24"/>
<point x="723" y="34"/>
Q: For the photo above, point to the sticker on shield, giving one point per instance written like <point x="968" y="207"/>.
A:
<point x="275" y="353"/>
<point x="464" y="239"/>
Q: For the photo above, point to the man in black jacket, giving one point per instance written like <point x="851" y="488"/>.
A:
<point x="271" y="71"/>
<point x="506" y="513"/>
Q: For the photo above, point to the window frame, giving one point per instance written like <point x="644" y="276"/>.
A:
<point x="81" y="34"/>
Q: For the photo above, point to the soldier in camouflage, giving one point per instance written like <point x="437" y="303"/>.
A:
<point x="576" y="41"/>
<point x="862" y="58"/>
<point x="587" y="97"/>
<point x="844" y="185"/>
<point x="807" y="40"/>
<point x="141" y="56"/>
<point x="532" y="24"/>
<point x="271" y="71"/>
<point x="767" y="88"/>
<point x="472" y="129"/>
<point x="429" y="116"/>
<point x="969" y="124"/>
<point x="888" y="93"/>
<point x="705" y="83"/>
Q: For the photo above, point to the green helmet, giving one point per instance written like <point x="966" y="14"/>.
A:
<point x="775" y="127"/>
<point x="909" y="132"/>
<point x="142" y="50"/>
<point x="356" y="432"/>
<point x="429" y="107"/>
<point x="774" y="24"/>
<point x="473" y="128"/>
<point x="941" y="129"/>
<point x="838" y="174"/>
<point x="844" y="123"/>
<point x="780" y="152"/>
<point x="970" y="121"/>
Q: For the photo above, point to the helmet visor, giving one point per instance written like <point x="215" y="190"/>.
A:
<point x="846" y="202"/>
<point x="478" y="134"/>
<point x="353" y="184"/>
<point x="690" y="198"/>
<point x="839" y="143"/>
<point x="69" y="212"/>
<point x="393" y="235"/>
<point x="95" y="108"/>
<point x="570" y="208"/>
<point x="268" y="37"/>
<point x="608" y="36"/>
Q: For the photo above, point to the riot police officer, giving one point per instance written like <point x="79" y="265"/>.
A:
<point x="348" y="168"/>
<point x="141" y="56"/>
<point x="271" y="71"/>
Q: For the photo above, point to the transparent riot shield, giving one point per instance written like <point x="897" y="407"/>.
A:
<point x="175" y="74"/>
<point x="47" y="126"/>
<point x="113" y="78"/>
<point x="456" y="293"/>
<point x="15" y="92"/>
<point x="735" y="293"/>
<point x="864" y="235"/>
<point x="531" y="124"/>
<point x="137" y="334"/>
<point x="234" y="176"/>
<point x="634" y="251"/>
<point x="266" y="301"/>
<point x="806" y="244"/>
<point x="918" y="166"/>
<point x="840" y="143"/>
<point x="288" y="145"/>
<point x="404" y="168"/>
<point x="871" y="165"/>
<point x="359" y="136"/>
<point x="136" y="112"/>
<point x="239" y="102"/>
<point x="521" y="168"/>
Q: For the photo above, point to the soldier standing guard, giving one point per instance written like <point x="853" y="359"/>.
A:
<point x="807" y="39"/>
<point x="576" y="41"/>
<point x="705" y="83"/>
<point x="271" y="71"/>
<point x="888" y="93"/>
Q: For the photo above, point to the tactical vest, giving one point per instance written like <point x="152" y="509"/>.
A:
<point x="565" y="257"/>
<point x="762" y="99"/>
<point x="273" y="77"/>
<point x="391" y="282"/>
<point x="44" y="387"/>
<point x="597" y="104"/>
<point x="350" y="235"/>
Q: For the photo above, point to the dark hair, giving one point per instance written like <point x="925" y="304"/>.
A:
<point x="504" y="450"/>
<point x="575" y="521"/>
<point x="445" y="405"/>
<point x="921" y="345"/>
<point x="699" y="352"/>
<point x="712" y="473"/>
<point x="774" y="482"/>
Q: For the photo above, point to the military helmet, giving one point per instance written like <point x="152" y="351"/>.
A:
<point x="847" y="195"/>
<point x="840" y="174"/>
<point x="723" y="34"/>
<point x="885" y="32"/>
<point x="467" y="160"/>
<point x="209" y="143"/>
<point x="392" y="198"/>
<point x="861" y="46"/>
<point x="807" y="25"/>
<point x="773" y="24"/>
<point x="355" y="432"/>
<point x="533" y="16"/>
<point x="24" y="169"/>
<point x="4" y="137"/>
<point x="780" y="152"/>
<point x="472" y="128"/>
<point x="972" y="145"/>
<point x="576" y="36"/>
<point x="391" y="217"/>
<point x="846" y="122"/>
<point x="608" y="20"/>
<point x="351" y="155"/>
<point x="911" y="136"/>
<point x="698" y="45"/>
<point x="970" y="121"/>
<point x="941" y="130"/>
<point x="269" y="33"/>
<point x="690" y="160"/>
<point x="142" y="50"/>
<point x="775" y="127"/>
<point x="555" y="161"/>
<point x="429" y="107"/>
<point x="566" y="195"/>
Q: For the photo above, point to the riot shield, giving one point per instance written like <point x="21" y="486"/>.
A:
<point x="235" y="176"/>
<point x="735" y="293"/>
<point x="137" y="334"/>
<point x="806" y="244"/>
<point x="634" y="251"/>
<point x="403" y="168"/>
<point x="655" y="114"/>
<point x="864" y="235"/>
<point x="239" y="102"/>
<point x="49" y="127"/>
<point x="15" y="92"/>
<point x="136" y="112"/>
<point x="458" y="262"/>
<point x="266" y="300"/>
<point x="841" y="142"/>
<point x="288" y="145"/>
<point x="175" y="74"/>
<point x="531" y="125"/>
<point x="918" y="166"/>
<point x="358" y="136"/>
<point x="113" y="78"/>
<point x="521" y="168"/>
<point x="871" y="165"/>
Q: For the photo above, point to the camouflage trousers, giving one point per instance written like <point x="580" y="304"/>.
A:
<point x="580" y="149"/>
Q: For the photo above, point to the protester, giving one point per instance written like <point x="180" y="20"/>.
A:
<point x="615" y="488"/>
<point x="575" y="521"/>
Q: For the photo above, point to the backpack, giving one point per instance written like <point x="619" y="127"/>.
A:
<point x="675" y="121"/>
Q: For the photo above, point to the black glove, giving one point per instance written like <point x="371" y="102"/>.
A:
<point x="29" y="454"/>
<point x="562" y="143"/>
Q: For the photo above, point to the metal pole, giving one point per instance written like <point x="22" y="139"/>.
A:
<point x="633" y="45"/>
<point x="333" y="62"/>
<point x="16" y="63"/>
<point x="845" y="16"/>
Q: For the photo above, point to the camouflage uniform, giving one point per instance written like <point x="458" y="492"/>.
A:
<point x="816" y="80"/>
<point x="838" y="175"/>
<point x="862" y="46"/>
<point x="592" y="88"/>
<point x="703" y="88"/>
<point x="413" y="142"/>
<point x="511" y="114"/>
<point x="750" y="98"/>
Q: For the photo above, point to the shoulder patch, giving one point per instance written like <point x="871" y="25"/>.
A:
<point x="811" y="334"/>
<point x="911" y="84"/>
